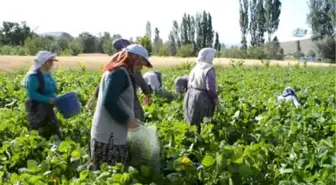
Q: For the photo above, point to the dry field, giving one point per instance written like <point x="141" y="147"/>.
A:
<point x="94" y="62"/>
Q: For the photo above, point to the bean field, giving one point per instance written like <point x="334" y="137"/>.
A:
<point x="252" y="140"/>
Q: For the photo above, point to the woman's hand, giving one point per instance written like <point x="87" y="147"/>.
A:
<point x="147" y="99"/>
<point x="132" y="123"/>
<point x="53" y="101"/>
<point x="218" y="104"/>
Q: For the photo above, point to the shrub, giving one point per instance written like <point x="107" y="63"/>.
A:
<point x="75" y="47"/>
<point x="298" y="54"/>
<point x="234" y="52"/>
<point x="257" y="52"/>
<point x="13" y="50"/>
<point x="327" y="48"/>
<point x="108" y="47"/>
<point x="33" y="45"/>
<point x="163" y="51"/>
<point x="66" y="52"/>
<point x="146" y="42"/>
<point x="186" y="51"/>
<point x="311" y="53"/>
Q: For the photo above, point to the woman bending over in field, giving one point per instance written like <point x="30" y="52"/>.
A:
<point x="154" y="81"/>
<point x="201" y="97"/>
<point x="41" y="91"/>
<point x="115" y="106"/>
<point x="181" y="84"/>
<point x="120" y="44"/>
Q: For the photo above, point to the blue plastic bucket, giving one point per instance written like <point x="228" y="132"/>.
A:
<point x="68" y="105"/>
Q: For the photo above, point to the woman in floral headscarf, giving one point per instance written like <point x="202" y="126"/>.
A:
<point x="201" y="97"/>
<point x="114" y="113"/>
<point x="120" y="44"/>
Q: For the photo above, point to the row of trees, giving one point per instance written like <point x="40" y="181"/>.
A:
<point x="192" y="34"/>
<point x="322" y="20"/>
<point x="258" y="17"/>
<point x="20" y="39"/>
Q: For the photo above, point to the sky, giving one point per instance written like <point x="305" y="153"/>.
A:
<point x="129" y="18"/>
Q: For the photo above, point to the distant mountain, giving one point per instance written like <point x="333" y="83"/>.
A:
<point x="56" y="34"/>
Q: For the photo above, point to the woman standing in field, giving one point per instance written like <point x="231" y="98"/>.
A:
<point x="41" y="91"/>
<point x="201" y="98"/>
<point x="114" y="113"/>
<point x="120" y="44"/>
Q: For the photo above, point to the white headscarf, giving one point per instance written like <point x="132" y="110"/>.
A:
<point x="40" y="58"/>
<point x="206" y="55"/>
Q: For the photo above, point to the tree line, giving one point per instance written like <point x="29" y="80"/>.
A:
<point x="258" y="19"/>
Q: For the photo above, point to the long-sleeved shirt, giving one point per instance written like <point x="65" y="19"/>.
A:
<point x="140" y="81"/>
<point x="203" y="77"/>
<point x="114" y="107"/>
<point x="211" y="85"/>
<point x="49" y="91"/>
<point x="145" y="88"/>
<point x="117" y="82"/>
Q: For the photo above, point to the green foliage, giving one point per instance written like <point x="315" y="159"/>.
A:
<point x="63" y="42"/>
<point x="194" y="30"/>
<point x="257" y="52"/>
<point x="14" y="34"/>
<point x="217" y="44"/>
<point x="108" y="47"/>
<point x="13" y="50"/>
<point x="146" y="42"/>
<point x="327" y="48"/>
<point x="75" y="47"/>
<point x="274" y="50"/>
<point x="89" y="42"/>
<point x="172" y="45"/>
<point x="234" y="52"/>
<point x="321" y="17"/>
<point x="272" y="14"/>
<point x="253" y="140"/>
<point x="186" y="51"/>
<point x="158" y="43"/>
<point x="164" y="51"/>
<point x="33" y="45"/>
<point x="243" y="21"/>
<point x="311" y="53"/>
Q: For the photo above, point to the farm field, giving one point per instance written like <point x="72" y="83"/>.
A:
<point x="94" y="62"/>
<point x="253" y="140"/>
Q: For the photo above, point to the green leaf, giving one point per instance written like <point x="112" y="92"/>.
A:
<point x="286" y="170"/>
<point x="245" y="171"/>
<point x="208" y="161"/>
<point x="75" y="154"/>
<point x="83" y="174"/>
<point x="32" y="165"/>
<point x="145" y="171"/>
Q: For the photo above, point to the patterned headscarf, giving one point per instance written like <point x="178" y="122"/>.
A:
<point x="122" y="59"/>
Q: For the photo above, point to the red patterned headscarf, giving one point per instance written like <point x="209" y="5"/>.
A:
<point x="122" y="59"/>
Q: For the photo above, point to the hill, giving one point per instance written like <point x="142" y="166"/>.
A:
<point x="306" y="45"/>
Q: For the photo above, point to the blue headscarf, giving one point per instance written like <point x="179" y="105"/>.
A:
<point x="119" y="44"/>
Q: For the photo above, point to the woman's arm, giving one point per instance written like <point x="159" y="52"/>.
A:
<point x="211" y="84"/>
<point x="142" y="83"/>
<point x="32" y="86"/>
<point x="115" y="85"/>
